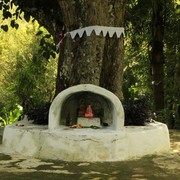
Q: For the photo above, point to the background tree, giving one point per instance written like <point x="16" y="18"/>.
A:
<point x="172" y="69"/>
<point x="157" y="53"/>
<point x="27" y="78"/>
<point x="137" y="81"/>
<point x="137" y="72"/>
<point x="146" y="29"/>
<point x="95" y="59"/>
<point x="73" y="14"/>
<point x="138" y="60"/>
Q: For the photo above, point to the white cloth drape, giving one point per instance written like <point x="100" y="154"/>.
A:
<point x="98" y="29"/>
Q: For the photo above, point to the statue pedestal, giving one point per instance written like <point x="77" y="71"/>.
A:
<point x="88" y="121"/>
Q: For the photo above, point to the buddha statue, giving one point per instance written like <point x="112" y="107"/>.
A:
<point x="89" y="113"/>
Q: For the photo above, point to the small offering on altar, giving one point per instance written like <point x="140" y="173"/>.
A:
<point x="89" y="113"/>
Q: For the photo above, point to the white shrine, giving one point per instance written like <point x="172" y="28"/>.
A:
<point x="113" y="142"/>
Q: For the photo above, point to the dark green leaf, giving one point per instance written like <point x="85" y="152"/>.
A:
<point x="39" y="33"/>
<point x="4" y="27"/>
<point x="47" y="36"/>
<point x="13" y="23"/>
<point x="1" y="4"/>
<point x="46" y="55"/>
<point x="6" y="1"/>
<point x="6" y="14"/>
<point x="21" y="11"/>
<point x="54" y="48"/>
<point x="16" y="26"/>
<point x="42" y="41"/>
<point x="16" y="14"/>
<point x="15" y="2"/>
<point x="11" y="4"/>
<point x="53" y="54"/>
<point x="27" y="16"/>
<point x="6" y="7"/>
<point x="20" y="17"/>
<point x="177" y="6"/>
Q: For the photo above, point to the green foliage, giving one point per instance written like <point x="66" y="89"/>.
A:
<point x="27" y="69"/>
<point x="166" y="116"/>
<point x="8" y="11"/>
<point x="30" y="78"/>
<point x="137" y="65"/>
<point x="13" y="13"/>
<point x="172" y="67"/>
<point x="27" y="16"/>
<point x="48" y="48"/>
<point x="10" y="117"/>
<point x="137" y="77"/>
<point x="136" y="112"/>
<point x="39" y="113"/>
<point x="27" y="78"/>
<point x="14" y="24"/>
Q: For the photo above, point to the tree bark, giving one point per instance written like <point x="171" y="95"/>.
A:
<point x="91" y="59"/>
<point x="96" y="59"/>
<point x="157" y="58"/>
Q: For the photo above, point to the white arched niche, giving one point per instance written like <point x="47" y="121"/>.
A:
<point x="68" y="98"/>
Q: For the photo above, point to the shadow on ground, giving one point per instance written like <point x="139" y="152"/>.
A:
<point x="156" y="167"/>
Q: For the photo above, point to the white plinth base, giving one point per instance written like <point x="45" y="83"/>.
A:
<point x="88" y="121"/>
<point x="86" y="144"/>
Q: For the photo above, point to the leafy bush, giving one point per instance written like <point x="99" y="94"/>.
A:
<point x="10" y="117"/>
<point x="136" y="112"/>
<point x="39" y="114"/>
<point x="170" y="117"/>
<point x="27" y="77"/>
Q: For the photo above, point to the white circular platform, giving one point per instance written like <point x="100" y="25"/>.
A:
<point x="85" y="144"/>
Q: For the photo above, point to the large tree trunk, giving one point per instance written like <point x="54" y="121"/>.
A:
<point x="96" y="59"/>
<point x="91" y="59"/>
<point x="157" y="61"/>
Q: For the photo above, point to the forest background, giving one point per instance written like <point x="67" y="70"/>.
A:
<point x="28" y="64"/>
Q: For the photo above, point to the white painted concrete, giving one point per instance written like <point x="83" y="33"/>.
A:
<point x="116" y="106"/>
<point x="113" y="143"/>
<point x="86" y="144"/>
<point x="87" y="122"/>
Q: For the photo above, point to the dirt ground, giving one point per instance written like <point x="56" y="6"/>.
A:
<point x="155" y="167"/>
